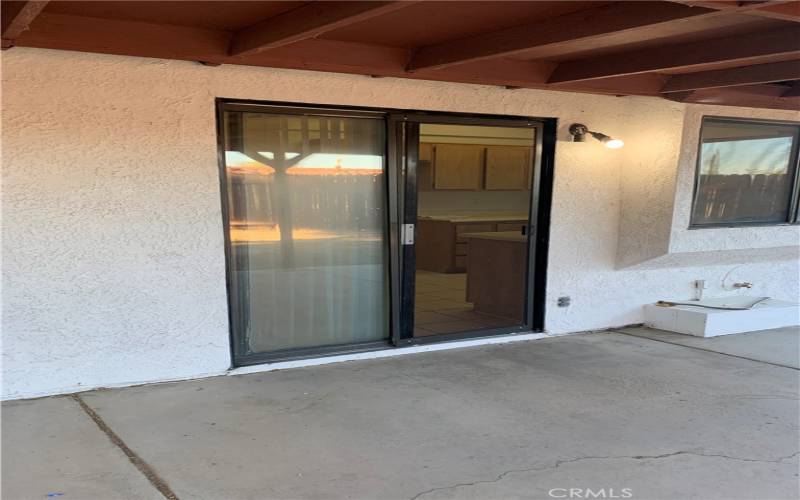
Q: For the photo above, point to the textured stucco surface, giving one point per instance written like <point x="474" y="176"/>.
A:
<point x="685" y="240"/>
<point x="648" y="179"/>
<point x="658" y="174"/>
<point x="113" y="265"/>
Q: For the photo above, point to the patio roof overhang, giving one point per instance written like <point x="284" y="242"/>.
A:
<point x="740" y="53"/>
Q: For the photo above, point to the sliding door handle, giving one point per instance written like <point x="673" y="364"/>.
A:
<point x="407" y="236"/>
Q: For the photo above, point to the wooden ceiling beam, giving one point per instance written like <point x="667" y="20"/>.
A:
<point x="584" y="25"/>
<point x="754" y="96"/>
<point x="745" y="49"/>
<point x="732" y="77"/>
<point x="17" y="18"/>
<point x="135" y="38"/>
<point x="679" y="96"/>
<point x="793" y="90"/>
<point x="308" y="21"/>
<point x="123" y="37"/>
<point x="789" y="11"/>
<point x="786" y="10"/>
<point x="729" y="5"/>
<point x="355" y="58"/>
<point x="143" y="39"/>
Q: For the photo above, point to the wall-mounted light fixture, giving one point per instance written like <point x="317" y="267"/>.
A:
<point x="579" y="131"/>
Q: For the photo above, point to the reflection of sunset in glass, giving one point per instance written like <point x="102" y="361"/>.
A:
<point x="335" y="164"/>
<point x="242" y="232"/>
<point x="263" y="233"/>
<point x="313" y="164"/>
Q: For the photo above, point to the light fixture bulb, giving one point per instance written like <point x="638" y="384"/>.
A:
<point x="607" y="140"/>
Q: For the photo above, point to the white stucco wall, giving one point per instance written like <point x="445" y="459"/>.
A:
<point x="113" y="263"/>
<point x="684" y="240"/>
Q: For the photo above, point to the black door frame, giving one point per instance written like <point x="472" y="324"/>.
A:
<point x="396" y="138"/>
<point x="404" y="127"/>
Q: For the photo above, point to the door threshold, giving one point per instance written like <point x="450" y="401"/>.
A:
<point x="386" y="352"/>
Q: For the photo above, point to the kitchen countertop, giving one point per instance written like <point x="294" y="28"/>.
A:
<point x="514" y="236"/>
<point x="476" y="217"/>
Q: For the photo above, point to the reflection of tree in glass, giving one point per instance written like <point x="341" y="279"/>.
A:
<point x="713" y="164"/>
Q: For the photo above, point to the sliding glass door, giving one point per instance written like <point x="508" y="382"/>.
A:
<point x="356" y="230"/>
<point x="306" y="222"/>
<point x="471" y="227"/>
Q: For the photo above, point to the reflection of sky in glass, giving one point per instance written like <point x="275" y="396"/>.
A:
<point x="751" y="157"/>
<point x="269" y="155"/>
<point x="237" y="159"/>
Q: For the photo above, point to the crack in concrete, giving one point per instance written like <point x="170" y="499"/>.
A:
<point x="705" y="349"/>
<point x="147" y="471"/>
<point x="560" y="462"/>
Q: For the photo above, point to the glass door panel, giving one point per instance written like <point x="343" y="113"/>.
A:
<point x="468" y="193"/>
<point x="306" y="217"/>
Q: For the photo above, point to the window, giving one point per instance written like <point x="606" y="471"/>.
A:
<point x="747" y="173"/>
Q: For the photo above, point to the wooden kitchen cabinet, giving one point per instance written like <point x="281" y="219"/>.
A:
<point x="507" y="168"/>
<point x="496" y="274"/>
<point x="472" y="228"/>
<point x="441" y="246"/>
<point x="513" y="226"/>
<point x="473" y="167"/>
<point x="425" y="151"/>
<point x="458" y="166"/>
<point x="435" y="247"/>
<point x="425" y="167"/>
<point x="425" y="176"/>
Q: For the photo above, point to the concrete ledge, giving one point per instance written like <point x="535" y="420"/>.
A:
<point x="706" y="322"/>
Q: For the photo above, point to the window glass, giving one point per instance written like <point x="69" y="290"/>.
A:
<point x="745" y="173"/>
<point x="306" y="214"/>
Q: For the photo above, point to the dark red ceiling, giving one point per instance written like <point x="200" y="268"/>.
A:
<point x="740" y="53"/>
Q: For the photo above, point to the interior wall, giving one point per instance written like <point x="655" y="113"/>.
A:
<point x="113" y="260"/>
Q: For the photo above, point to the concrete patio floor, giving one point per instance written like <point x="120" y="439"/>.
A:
<point x="521" y="420"/>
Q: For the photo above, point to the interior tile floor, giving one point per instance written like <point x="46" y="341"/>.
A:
<point x="441" y="306"/>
